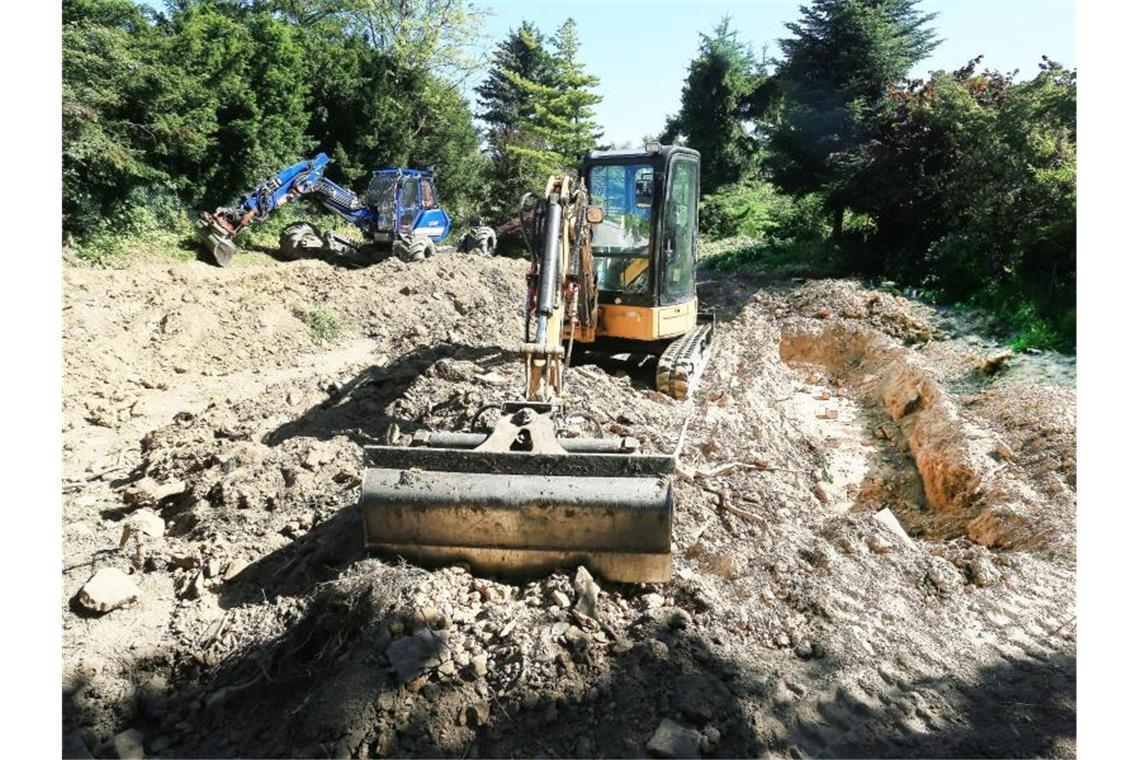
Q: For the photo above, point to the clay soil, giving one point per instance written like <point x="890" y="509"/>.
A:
<point x="232" y="405"/>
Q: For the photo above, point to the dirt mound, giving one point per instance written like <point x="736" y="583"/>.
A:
<point x="799" y="620"/>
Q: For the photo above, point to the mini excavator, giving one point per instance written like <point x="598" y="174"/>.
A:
<point x="613" y="258"/>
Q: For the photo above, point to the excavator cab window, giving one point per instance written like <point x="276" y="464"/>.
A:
<point x="679" y="232"/>
<point x="621" y="240"/>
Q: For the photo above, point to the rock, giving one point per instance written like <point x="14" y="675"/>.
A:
<point x="887" y="517"/>
<point x="576" y="637"/>
<point x="108" y="589"/>
<point x="479" y="665"/>
<point x="127" y="744"/>
<point x="422" y="651"/>
<point x="561" y="599"/>
<point x="994" y="363"/>
<point x="674" y="618"/>
<point x="880" y="544"/>
<point x="653" y="601"/>
<point x="942" y="574"/>
<point x="234" y="569"/>
<point x="710" y="739"/>
<point x="700" y="697"/>
<point x="587" y="592"/>
<point x="803" y="649"/>
<point x="147" y="523"/>
<point x="147" y="492"/>
<point x="674" y="740"/>
<point x="213" y="567"/>
<point x="982" y="572"/>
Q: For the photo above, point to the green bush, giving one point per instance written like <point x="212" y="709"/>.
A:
<point x="756" y="209"/>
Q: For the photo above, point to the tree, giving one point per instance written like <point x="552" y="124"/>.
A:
<point x="841" y="59"/>
<point x="715" y="102"/>
<point x="571" y="108"/>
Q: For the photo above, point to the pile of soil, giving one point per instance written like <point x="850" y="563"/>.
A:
<point x="212" y="454"/>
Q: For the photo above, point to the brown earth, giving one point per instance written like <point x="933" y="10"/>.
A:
<point x="231" y="407"/>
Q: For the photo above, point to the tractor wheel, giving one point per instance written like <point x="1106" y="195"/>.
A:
<point x="480" y="239"/>
<point x="297" y="238"/>
<point x="411" y="247"/>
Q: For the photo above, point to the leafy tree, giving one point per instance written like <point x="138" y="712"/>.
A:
<point x="715" y="102"/>
<point x="975" y="190"/>
<point x="841" y="59"/>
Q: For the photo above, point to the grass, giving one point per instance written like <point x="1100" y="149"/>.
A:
<point x="324" y="325"/>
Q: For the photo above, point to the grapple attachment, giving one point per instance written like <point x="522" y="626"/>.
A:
<point x="521" y="501"/>
<point x="212" y="233"/>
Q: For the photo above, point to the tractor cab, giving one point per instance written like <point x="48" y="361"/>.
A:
<point x="405" y="203"/>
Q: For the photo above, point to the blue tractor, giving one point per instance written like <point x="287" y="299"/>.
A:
<point x="399" y="210"/>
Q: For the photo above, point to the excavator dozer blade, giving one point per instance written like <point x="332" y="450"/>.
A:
<point x="516" y="513"/>
<point x="216" y="242"/>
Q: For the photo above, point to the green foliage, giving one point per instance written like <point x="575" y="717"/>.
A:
<point x="538" y="105"/>
<point x="756" y="209"/>
<point x="820" y="257"/>
<point x="202" y="102"/>
<point x="832" y="84"/>
<point x="324" y="325"/>
<point x="715" y="100"/>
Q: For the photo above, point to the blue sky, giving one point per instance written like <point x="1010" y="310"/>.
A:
<point x="641" y="50"/>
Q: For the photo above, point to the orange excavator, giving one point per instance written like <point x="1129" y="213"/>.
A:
<point x="613" y="260"/>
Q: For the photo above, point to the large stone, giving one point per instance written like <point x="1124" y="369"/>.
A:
<point x="587" y="592"/>
<point x="422" y="651"/>
<point x="108" y="589"/>
<point x="887" y="518"/>
<point x="146" y="523"/>
<point x="674" y="740"/>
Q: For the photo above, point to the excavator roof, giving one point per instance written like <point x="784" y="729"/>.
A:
<point x="650" y="150"/>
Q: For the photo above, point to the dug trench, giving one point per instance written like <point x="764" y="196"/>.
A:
<point x="212" y="453"/>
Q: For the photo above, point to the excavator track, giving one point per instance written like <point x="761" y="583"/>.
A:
<point x="681" y="365"/>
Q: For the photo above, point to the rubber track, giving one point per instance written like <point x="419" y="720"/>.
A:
<point x="680" y="367"/>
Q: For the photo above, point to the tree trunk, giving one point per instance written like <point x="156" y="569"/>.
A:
<point x="837" y="223"/>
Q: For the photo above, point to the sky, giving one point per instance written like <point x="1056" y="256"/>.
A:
<point x="641" y="50"/>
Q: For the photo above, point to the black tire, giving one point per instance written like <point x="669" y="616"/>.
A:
<point x="411" y="247"/>
<point x="480" y="239"/>
<point x="297" y="238"/>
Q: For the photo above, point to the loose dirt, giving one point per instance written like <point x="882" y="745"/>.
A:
<point x="231" y="406"/>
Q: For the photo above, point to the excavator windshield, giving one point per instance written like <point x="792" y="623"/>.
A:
<point x="621" y="240"/>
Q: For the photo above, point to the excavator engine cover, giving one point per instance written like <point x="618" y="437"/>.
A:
<point x="521" y="501"/>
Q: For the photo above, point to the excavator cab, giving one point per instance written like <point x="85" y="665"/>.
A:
<point x="644" y="262"/>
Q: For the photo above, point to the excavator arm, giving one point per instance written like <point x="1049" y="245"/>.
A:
<point x="216" y="230"/>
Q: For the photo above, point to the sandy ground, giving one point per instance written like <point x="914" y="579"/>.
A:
<point x="212" y="453"/>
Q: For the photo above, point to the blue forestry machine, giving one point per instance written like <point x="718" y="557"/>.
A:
<point x="399" y="209"/>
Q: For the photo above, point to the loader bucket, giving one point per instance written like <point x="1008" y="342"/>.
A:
<point x="592" y="502"/>
<point x="216" y="241"/>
